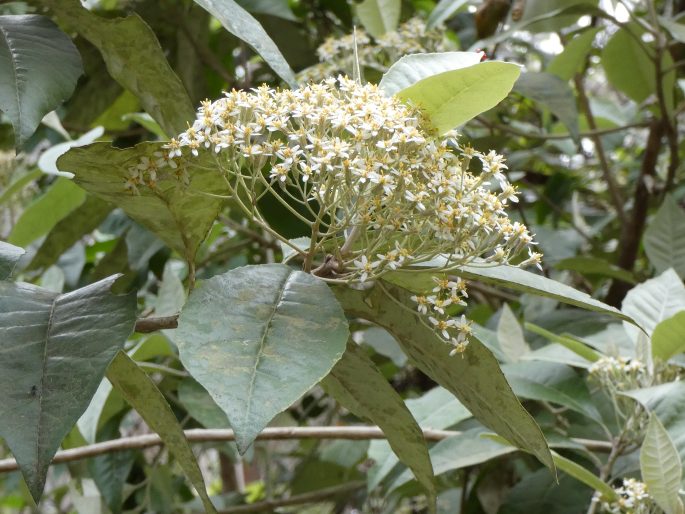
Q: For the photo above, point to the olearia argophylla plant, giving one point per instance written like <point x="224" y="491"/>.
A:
<point x="379" y="189"/>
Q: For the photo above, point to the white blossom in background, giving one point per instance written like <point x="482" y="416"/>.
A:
<point x="379" y="189"/>
<point x="633" y="498"/>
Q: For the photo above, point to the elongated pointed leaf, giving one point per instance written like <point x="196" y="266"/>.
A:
<point x="668" y="338"/>
<point x="39" y="67"/>
<point x="9" y="256"/>
<point x="358" y="385"/>
<point x="664" y="238"/>
<point x="379" y="16"/>
<point x="135" y="59"/>
<point x="443" y="11"/>
<point x="242" y="25"/>
<point x="568" y="63"/>
<point x="587" y="477"/>
<point x="144" y="396"/>
<point x="452" y="98"/>
<point x="55" y="349"/>
<point x="510" y="336"/>
<point x="180" y="215"/>
<point x="257" y="338"/>
<point x="661" y="468"/>
<point x="476" y="379"/>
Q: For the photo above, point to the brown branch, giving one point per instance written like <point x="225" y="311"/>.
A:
<point x="631" y="232"/>
<point x="147" y="325"/>
<point x="298" y="499"/>
<point x="353" y="433"/>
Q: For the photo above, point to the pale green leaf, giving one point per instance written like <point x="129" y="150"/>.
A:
<point x="452" y="98"/>
<point x="574" y="345"/>
<point x="668" y="338"/>
<point x="475" y="379"/>
<point x="135" y="59"/>
<point x="570" y="61"/>
<point x="45" y="339"/>
<point x="661" y="467"/>
<point x="676" y="29"/>
<point x="39" y="67"/>
<point x="587" y="477"/>
<point x="9" y="256"/>
<point x="510" y="335"/>
<point x="19" y="184"/>
<point x="200" y="405"/>
<point x="443" y="11"/>
<point x="180" y="215"/>
<point x="257" y="338"/>
<point x="43" y="214"/>
<point x="379" y="16"/>
<point x="664" y="239"/>
<point x="242" y="25"/>
<point x="144" y="396"/>
<point x="594" y="266"/>
<point x="359" y="386"/>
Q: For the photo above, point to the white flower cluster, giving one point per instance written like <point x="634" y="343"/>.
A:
<point x="378" y="190"/>
<point x="633" y="498"/>
<point x="619" y="373"/>
<point x="337" y="54"/>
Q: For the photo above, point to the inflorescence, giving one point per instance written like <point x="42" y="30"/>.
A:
<point x="379" y="190"/>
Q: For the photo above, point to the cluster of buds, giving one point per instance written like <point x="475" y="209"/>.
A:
<point x="620" y="373"/>
<point x="379" y="190"/>
<point x="632" y="498"/>
<point x="337" y="54"/>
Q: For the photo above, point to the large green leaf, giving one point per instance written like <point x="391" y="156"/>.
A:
<point x="9" y="256"/>
<point x="180" y="215"/>
<point x="135" y="59"/>
<point x="664" y="238"/>
<point x="668" y="338"/>
<point x="358" y="385"/>
<point x="654" y="301"/>
<point x="476" y="379"/>
<point x="242" y="25"/>
<point x="587" y="477"/>
<point x="413" y="68"/>
<point x="550" y="382"/>
<point x="452" y="98"/>
<point x="43" y="214"/>
<point x="144" y="396"/>
<point x="257" y="338"/>
<point x="569" y="62"/>
<point x="553" y="93"/>
<point x="39" y="67"/>
<point x="437" y="409"/>
<point x="55" y="349"/>
<point x="79" y="222"/>
<point x="661" y="468"/>
<point x="379" y="16"/>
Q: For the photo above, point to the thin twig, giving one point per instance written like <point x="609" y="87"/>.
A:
<point x="147" y="325"/>
<point x="353" y="433"/>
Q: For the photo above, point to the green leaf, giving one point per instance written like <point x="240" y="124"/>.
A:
<point x="411" y="69"/>
<point x="476" y="379"/>
<point x="145" y="120"/>
<point x="79" y="222"/>
<point x="242" y="25"/>
<point x="510" y="335"/>
<point x="676" y="29"/>
<point x="18" y="185"/>
<point x="668" y="338"/>
<point x="443" y="11"/>
<point x="9" y="256"/>
<point x="135" y="59"/>
<point x="653" y="301"/>
<point x="278" y="8"/>
<point x="576" y="346"/>
<point x="664" y="239"/>
<point x="48" y="159"/>
<point x="554" y="383"/>
<point x="661" y="468"/>
<point x="179" y="215"/>
<point x="45" y="339"/>
<point x="144" y="396"/>
<point x="384" y="344"/>
<point x="259" y="337"/>
<point x="379" y="16"/>
<point x="570" y="61"/>
<point x="553" y="15"/>
<point x="437" y="409"/>
<point x="452" y="98"/>
<point x="553" y="93"/>
<point x="587" y="477"/>
<point x="638" y="80"/>
<point x="39" y="67"/>
<point x="43" y="214"/>
<point x="358" y="385"/>
<point x="595" y="266"/>
<point x="200" y="405"/>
